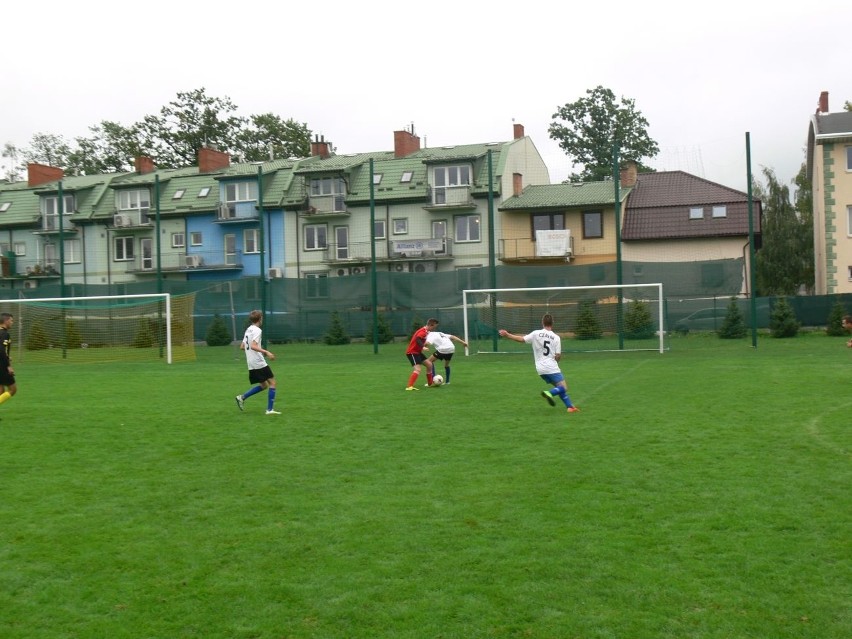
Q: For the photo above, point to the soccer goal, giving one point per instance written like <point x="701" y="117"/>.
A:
<point x="626" y="317"/>
<point x="102" y="328"/>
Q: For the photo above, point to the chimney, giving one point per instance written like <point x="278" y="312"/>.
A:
<point x="405" y="143"/>
<point x="38" y="174"/>
<point x="519" y="131"/>
<point x="823" y="102"/>
<point x="320" y="147"/>
<point x="144" y="165"/>
<point x="517" y="184"/>
<point x="628" y="174"/>
<point x="210" y="160"/>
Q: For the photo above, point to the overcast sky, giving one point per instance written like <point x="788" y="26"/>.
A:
<point x="702" y="73"/>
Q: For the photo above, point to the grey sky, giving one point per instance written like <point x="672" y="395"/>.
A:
<point x="701" y="73"/>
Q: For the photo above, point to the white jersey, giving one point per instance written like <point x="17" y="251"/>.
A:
<point x="546" y="345"/>
<point x="442" y="342"/>
<point x="254" y="359"/>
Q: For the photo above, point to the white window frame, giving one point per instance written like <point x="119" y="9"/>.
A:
<point x="50" y="204"/>
<point x="179" y="194"/>
<point x="328" y="186"/>
<point x="5" y="206"/>
<point x="316" y="285"/>
<point x="462" y="226"/>
<point x="406" y="177"/>
<point x="251" y="241"/>
<point x="178" y="239"/>
<point x="849" y="158"/>
<point x="696" y="213"/>
<point x="720" y="211"/>
<point x="72" y="252"/>
<point x="245" y="191"/>
<point x="380" y="230"/>
<point x="123" y="249"/>
<point x="849" y="219"/>
<point x="133" y="200"/>
<point x="196" y="239"/>
<point x="400" y="225"/>
<point x="20" y="248"/>
<point x="315" y="237"/>
<point x="204" y="192"/>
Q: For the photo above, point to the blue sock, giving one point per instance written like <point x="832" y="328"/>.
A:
<point x="270" y="400"/>
<point x="252" y="391"/>
<point x="446" y="374"/>
<point x="563" y="395"/>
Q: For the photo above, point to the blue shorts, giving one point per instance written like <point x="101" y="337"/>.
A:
<point x="553" y="378"/>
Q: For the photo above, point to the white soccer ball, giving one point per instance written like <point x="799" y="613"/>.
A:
<point x="437" y="380"/>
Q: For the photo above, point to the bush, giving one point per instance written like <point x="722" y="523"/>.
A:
<point x="385" y="332"/>
<point x="73" y="339"/>
<point x="218" y="333"/>
<point x="782" y="321"/>
<point x="834" y="325"/>
<point x="37" y="338"/>
<point x="143" y="338"/>
<point x="638" y="323"/>
<point x="733" y="326"/>
<point x="337" y="332"/>
<point x="588" y="326"/>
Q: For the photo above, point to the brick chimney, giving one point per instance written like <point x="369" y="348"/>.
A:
<point x="320" y="147"/>
<point x="518" y="131"/>
<point x="405" y="143"/>
<point x="823" y="102"/>
<point x="42" y="174"/>
<point x="628" y="174"/>
<point x="210" y="160"/>
<point x="144" y="165"/>
<point x="517" y="184"/>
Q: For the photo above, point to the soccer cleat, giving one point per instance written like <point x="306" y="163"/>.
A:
<point x="548" y="397"/>
<point x="573" y="409"/>
<point x="273" y="412"/>
<point x="411" y="388"/>
<point x="239" y="399"/>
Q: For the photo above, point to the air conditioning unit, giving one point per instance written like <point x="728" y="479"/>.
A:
<point x="357" y="270"/>
<point x="120" y="220"/>
<point x="227" y="211"/>
<point x="30" y="284"/>
<point x="422" y="267"/>
<point x="342" y="272"/>
<point x="399" y="268"/>
<point x="193" y="261"/>
<point x="275" y="273"/>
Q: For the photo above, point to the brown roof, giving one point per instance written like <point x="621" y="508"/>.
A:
<point x="659" y="206"/>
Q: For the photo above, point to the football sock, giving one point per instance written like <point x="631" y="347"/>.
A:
<point x="270" y="400"/>
<point x="6" y="395"/>
<point x="446" y="374"/>
<point x="252" y="391"/>
<point x="412" y="380"/>
<point x="563" y="395"/>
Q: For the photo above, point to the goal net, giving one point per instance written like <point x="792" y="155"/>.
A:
<point x="102" y="328"/>
<point x="625" y="317"/>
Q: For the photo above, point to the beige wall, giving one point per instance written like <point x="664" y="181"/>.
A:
<point x="832" y="238"/>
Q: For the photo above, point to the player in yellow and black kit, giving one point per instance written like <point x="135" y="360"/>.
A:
<point x="7" y="373"/>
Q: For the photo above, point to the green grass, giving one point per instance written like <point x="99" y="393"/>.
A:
<point x="701" y="493"/>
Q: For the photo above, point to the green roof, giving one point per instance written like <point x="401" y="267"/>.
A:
<point x="561" y="196"/>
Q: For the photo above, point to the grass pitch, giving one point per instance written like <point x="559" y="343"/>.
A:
<point x="701" y="493"/>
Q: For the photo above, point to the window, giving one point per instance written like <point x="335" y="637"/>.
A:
<point x="447" y="177"/>
<point x="696" y="213"/>
<point x="849" y="220"/>
<point x="316" y="285"/>
<point x="406" y="177"/>
<point x="849" y="274"/>
<point x="251" y="241"/>
<point x="400" y="225"/>
<point x="204" y="192"/>
<point x="592" y="224"/>
<point x="72" y="251"/>
<point x="469" y="277"/>
<point x="467" y="228"/>
<point x="178" y="194"/>
<point x="178" y="240"/>
<point x="720" y="211"/>
<point x="547" y="222"/>
<point x="377" y="178"/>
<point x="5" y="207"/>
<point x="20" y="248"/>
<point x="50" y="204"/>
<point x="316" y="237"/>
<point x="230" y="242"/>
<point x="195" y="238"/>
<point x="380" y="231"/>
<point x="328" y="186"/>
<point x="133" y="200"/>
<point x="241" y="191"/>
<point x="849" y="158"/>
<point x="123" y="249"/>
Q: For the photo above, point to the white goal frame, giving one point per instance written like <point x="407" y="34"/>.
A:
<point x="657" y="285"/>
<point x="68" y="300"/>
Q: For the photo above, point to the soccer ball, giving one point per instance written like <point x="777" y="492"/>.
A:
<point x="437" y="380"/>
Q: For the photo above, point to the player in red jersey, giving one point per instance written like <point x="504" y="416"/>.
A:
<point x="415" y="355"/>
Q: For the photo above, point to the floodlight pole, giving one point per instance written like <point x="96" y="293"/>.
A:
<point x="492" y="262"/>
<point x="373" y="274"/>
<point x="616" y="180"/>
<point x="751" y="276"/>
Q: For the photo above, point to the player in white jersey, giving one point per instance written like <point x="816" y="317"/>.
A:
<point x="444" y="349"/>
<point x="259" y="371"/>
<point x="547" y="351"/>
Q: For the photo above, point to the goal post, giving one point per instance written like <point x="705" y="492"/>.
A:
<point x="103" y="328"/>
<point x="616" y="317"/>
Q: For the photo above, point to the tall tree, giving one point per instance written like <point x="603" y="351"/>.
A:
<point x="267" y="136"/>
<point x="804" y="202"/>
<point x="10" y="152"/>
<point x="593" y="124"/>
<point x="783" y="265"/>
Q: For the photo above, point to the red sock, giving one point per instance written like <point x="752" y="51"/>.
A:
<point x="412" y="380"/>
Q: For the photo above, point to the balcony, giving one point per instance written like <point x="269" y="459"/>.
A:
<point x="324" y="206"/>
<point x="50" y="225"/>
<point x="519" y="250"/>
<point x="15" y="267"/>
<point x="132" y="219"/>
<point x="233" y="212"/>
<point x="451" y="197"/>
<point x="389" y="251"/>
<point x="187" y="262"/>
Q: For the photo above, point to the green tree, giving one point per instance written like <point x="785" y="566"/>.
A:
<point x="834" y="325"/>
<point x="267" y="136"/>
<point x="385" y="332"/>
<point x="217" y="332"/>
<point x="638" y="322"/>
<point x="13" y="172"/>
<point x="588" y="326"/>
<point x="47" y="148"/>
<point x="587" y="129"/>
<point x="782" y="320"/>
<point x="733" y="326"/>
<point x="337" y="331"/>
<point x="783" y="264"/>
<point x="805" y="209"/>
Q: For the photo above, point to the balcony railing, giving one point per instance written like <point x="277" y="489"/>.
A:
<point x="129" y="218"/>
<point x="326" y="205"/>
<point x="50" y="224"/>
<point x="203" y="260"/>
<point x="389" y="250"/>
<point x="452" y="196"/>
<point x="528" y="249"/>
<point x="236" y="211"/>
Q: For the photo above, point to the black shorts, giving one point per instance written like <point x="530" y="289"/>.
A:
<point x="415" y="358"/>
<point x="260" y="375"/>
<point x="6" y="379"/>
<point x="444" y="356"/>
